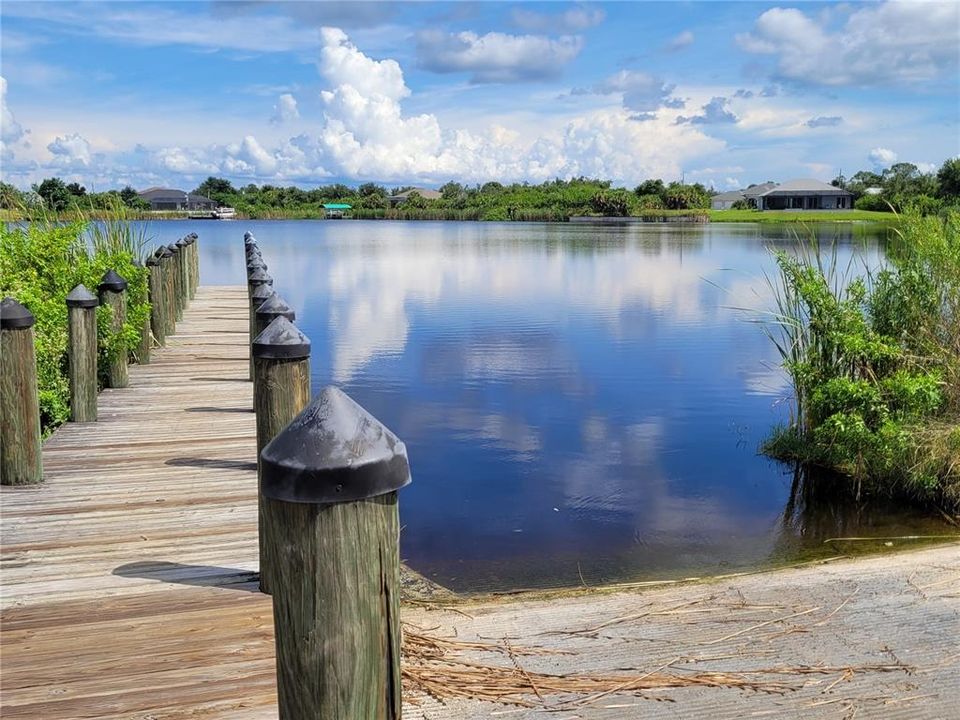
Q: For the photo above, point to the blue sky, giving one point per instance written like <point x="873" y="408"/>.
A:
<point x="725" y="93"/>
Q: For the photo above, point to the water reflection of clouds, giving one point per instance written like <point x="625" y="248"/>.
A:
<point x="371" y="293"/>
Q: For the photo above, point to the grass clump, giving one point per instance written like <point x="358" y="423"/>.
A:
<point x="40" y="263"/>
<point x="875" y="363"/>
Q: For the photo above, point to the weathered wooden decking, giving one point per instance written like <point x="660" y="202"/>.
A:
<point x="128" y="585"/>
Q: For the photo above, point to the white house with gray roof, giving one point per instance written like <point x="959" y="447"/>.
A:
<point x="805" y="194"/>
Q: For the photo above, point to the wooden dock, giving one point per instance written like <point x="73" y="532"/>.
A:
<point x="128" y="576"/>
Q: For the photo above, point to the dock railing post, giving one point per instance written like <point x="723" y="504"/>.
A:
<point x="20" y="459"/>
<point x="82" y="331"/>
<point x="177" y="273"/>
<point x="184" y="272"/>
<point x="142" y="353"/>
<point x="158" y="303"/>
<point x="281" y="390"/>
<point x="194" y="264"/>
<point x="329" y="485"/>
<point x="165" y="255"/>
<point x="113" y="294"/>
<point x="255" y="279"/>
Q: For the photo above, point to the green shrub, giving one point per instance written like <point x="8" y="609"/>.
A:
<point x="40" y="263"/>
<point x="875" y="363"/>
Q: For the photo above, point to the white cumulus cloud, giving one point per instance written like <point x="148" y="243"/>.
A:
<point x="642" y="93"/>
<point x="496" y="57"/>
<point x="573" y="20"/>
<point x="899" y="42"/>
<point x="882" y="157"/>
<point x="70" y="151"/>
<point x="285" y="110"/>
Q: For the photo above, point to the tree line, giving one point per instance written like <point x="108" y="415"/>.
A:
<point x="900" y="186"/>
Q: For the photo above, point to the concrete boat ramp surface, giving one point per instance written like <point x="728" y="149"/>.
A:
<point x="129" y="591"/>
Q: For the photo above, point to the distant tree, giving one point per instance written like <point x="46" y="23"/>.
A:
<point x="131" y="198"/>
<point x="54" y="193"/>
<point x="650" y="187"/>
<point x="371" y="190"/>
<point x="610" y="204"/>
<point x="215" y="188"/>
<point x="491" y="188"/>
<point x="678" y="196"/>
<point x="415" y="200"/>
<point x="10" y="196"/>
<point x="451" y="190"/>
<point x="76" y="189"/>
<point x="949" y="178"/>
<point x="839" y="182"/>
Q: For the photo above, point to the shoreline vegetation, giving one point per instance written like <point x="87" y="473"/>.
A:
<point x="877" y="197"/>
<point x="874" y="359"/>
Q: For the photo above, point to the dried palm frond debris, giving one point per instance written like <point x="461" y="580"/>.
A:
<point x="446" y="668"/>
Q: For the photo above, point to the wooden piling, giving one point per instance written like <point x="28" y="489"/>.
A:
<point x="165" y="254"/>
<point x="184" y="271"/>
<point x="177" y="280"/>
<point x="256" y="279"/>
<point x="158" y="302"/>
<point x="82" y="350"/>
<point x="20" y="459"/>
<point x="142" y="352"/>
<point x="113" y="293"/>
<point x="329" y="486"/>
<point x="282" y="390"/>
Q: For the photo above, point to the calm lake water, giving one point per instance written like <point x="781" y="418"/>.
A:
<point x="579" y="403"/>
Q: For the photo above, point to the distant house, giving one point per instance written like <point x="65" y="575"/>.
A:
<point x="805" y="194"/>
<point x="170" y="199"/>
<point x="425" y="193"/>
<point x="755" y="191"/>
<point x="725" y="200"/>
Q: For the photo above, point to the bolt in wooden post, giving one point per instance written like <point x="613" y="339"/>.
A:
<point x="256" y="279"/>
<point x="158" y="303"/>
<point x="82" y="328"/>
<point x="20" y="459"/>
<point x="282" y="390"/>
<point x="177" y="273"/>
<point x="113" y="294"/>
<point x="329" y="482"/>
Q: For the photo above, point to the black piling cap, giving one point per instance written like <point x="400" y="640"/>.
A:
<point x="247" y="235"/>
<point x="260" y="295"/>
<point x="259" y="277"/>
<point x="332" y="452"/>
<point x="159" y="251"/>
<point x="254" y="263"/>
<point x="281" y="340"/>
<point x="152" y="261"/>
<point x="112" y="282"/>
<point x="274" y="307"/>
<point x="80" y="297"/>
<point x="181" y="242"/>
<point x="165" y="252"/>
<point x="173" y="248"/>
<point x="194" y="236"/>
<point x="14" y="316"/>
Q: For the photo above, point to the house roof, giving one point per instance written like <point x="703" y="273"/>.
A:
<point x="805" y="186"/>
<point x="730" y="195"/>
<point x="758" y="190"/>
<point x="425" y="193"/>
<point x="159" y="194"/>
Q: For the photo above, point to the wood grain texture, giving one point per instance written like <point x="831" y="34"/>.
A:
<point x="130" y="576"/>
<point x="118" y="375"/>
<point x="158" y="305"/>
<point x="20" y="457"/>
<point x="336" y="578"/>
<point x="82" y="374"/>
<point x="281" y="390"/>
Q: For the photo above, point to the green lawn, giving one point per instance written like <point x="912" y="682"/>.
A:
<point x="799" y="216"/>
